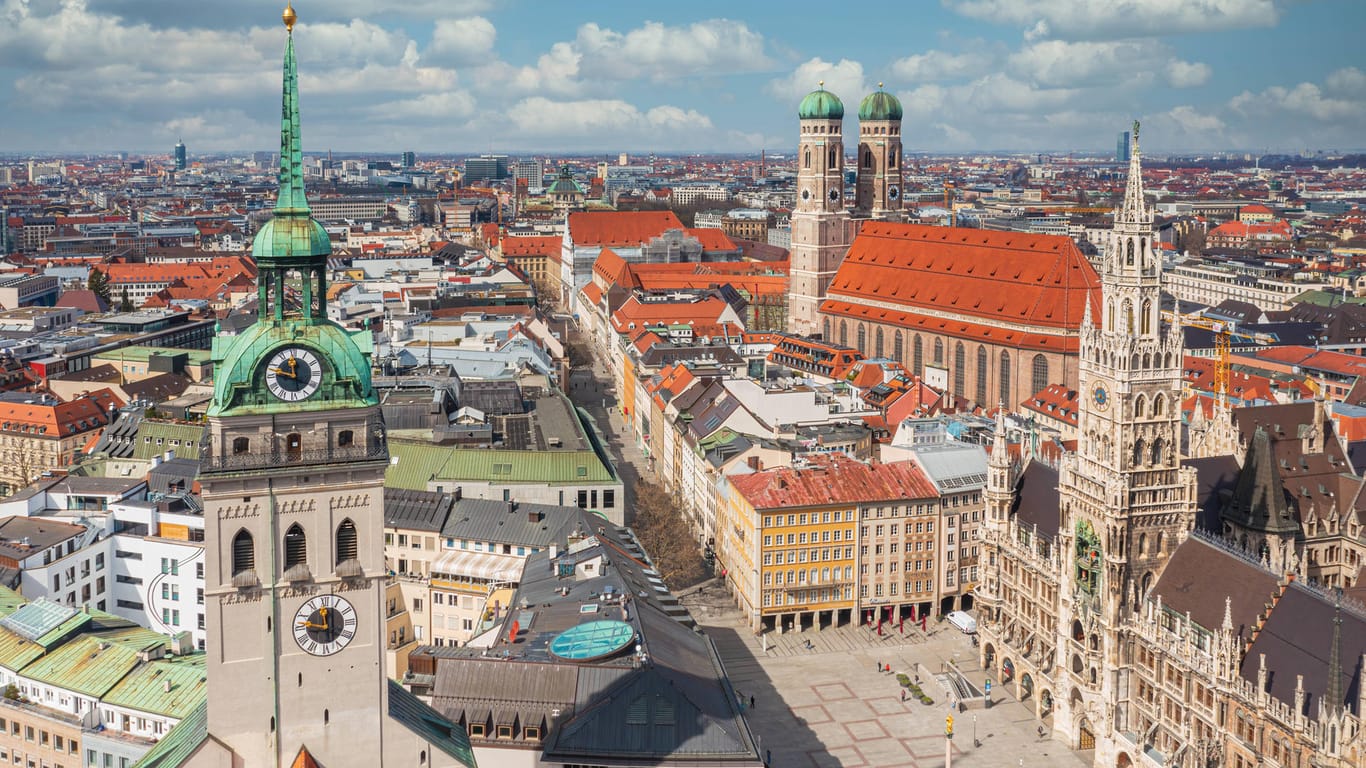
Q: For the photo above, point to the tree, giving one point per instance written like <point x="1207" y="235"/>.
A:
<point x="98" y="283"/>
<point x="666" y="537"/>
<point x="125" y="304"/>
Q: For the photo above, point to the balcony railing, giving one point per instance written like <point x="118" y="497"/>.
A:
<point x="246" y="461"/>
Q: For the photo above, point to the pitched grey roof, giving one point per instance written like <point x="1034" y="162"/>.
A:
<point x="416" y="510"/>
<point x="1215" y="478"/>
<point x="1297" y="640"/>
<point x="516" y="523"/>
<point x="1036" y="501"/>
<point x="1200" y="576"/>
<point x="428" y="724"/>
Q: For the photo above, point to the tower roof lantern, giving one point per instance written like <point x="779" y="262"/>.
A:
<point x="821" y="104"/>
<point x="879" y="105"/>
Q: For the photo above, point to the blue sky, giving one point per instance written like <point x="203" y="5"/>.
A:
<point x="605" y="76"/>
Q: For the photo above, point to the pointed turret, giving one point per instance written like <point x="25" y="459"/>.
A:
<point x="1333" y="696"/>
<point x="1134" y="210"/>
<point x="291" y="240"/>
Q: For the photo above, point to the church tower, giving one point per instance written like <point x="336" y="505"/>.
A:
<point x="878" y="194"/>
<point x="1126" y="500"/>
<point x="293" y="490"/>
<point x="820" y="223"/>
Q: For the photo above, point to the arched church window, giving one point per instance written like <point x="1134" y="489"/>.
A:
<point x="844" y="333"/>
<point x="862" y="337"/>
<point x="981" y="394"/>
<point x="243" y="552"/>
<point x="898" y="347"/>
<point x="345" y="438"/>
<point x="1147" y="316"/>
<point x="825" y="325"/>
<point x="1003" y="377"/>
<point x="806" y="161"/>
<point x="891" y="158"/>
<point x="834" y="159"/>
<point x="294" y="446"/>
<point x="1159" y="404"/>
<point x="1140" y="452"/>
<point x="1040" y="373"/>
<point x="347" y="547"/>
<point x="877" y="343"/>
<point x="1140" y="407"/>
<point x="1159" y="451"/>
<point x="1142" y="544"/>
<point x="918" y="356"/>
<point x="1129" y="257"/>
<point x="960" y="364"/>
<point x="296" y="546"/>
<point x="867" y="158"/>
<point x="240" y="445"/>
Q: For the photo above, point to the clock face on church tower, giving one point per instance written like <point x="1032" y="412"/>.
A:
<point x="293" y="374"/>
<point x="324" y="625"/>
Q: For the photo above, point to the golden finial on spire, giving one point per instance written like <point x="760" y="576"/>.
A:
<point x="821" y="83"/>
<point x="879" y="86"/>
<point x="289" y="17"/>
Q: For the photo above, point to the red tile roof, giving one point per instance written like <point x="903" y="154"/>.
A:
<point x="833" y="479"/>
<point x="532" y="246"/>
<point x="624" y="228"/>
<point x="1056" y="402"/>
<point x="712" y="239"/>
<point x="1039" y="281"/>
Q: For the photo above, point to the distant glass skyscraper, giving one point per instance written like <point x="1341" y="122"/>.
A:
<point x="1122" y="147"/>
<point x="409" y="159"/>
<point x="486" y="168"/>
<point x="180" y="155"/>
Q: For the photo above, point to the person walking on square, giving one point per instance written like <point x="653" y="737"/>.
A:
<point x="751" y="702"/>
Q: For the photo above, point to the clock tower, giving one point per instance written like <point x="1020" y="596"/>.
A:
<point x="1126" y="500"/>
<point x="293" y="491"/>
<point x="820" y="223"/>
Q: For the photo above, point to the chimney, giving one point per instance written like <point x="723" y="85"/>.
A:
<point x="554" y="551"/>
<point x="754" y="463"/>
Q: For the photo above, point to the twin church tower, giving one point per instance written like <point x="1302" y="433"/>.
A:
<point x="823" y="227"/>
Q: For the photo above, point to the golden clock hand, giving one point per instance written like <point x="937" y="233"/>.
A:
<point x="323" y="611"/>
<point x="283" y="372"/>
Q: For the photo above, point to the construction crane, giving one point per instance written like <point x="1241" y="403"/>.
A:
<point x="948" y="203"/>
<point x="1223" y="345"/>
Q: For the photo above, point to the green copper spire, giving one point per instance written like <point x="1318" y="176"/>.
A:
<point x="291" y="198"/>
<point x="291" y="238"/>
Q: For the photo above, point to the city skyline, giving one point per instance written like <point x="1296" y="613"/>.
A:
<point x="475" y="76"/>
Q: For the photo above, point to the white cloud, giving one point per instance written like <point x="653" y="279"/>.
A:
<point x="1109" y="64"/>
<point x="1187" y="74"/>
<point x="1349" y="81"/>
<point x="605" y="118"/>
<point x="1192" y="121"/>
<point x="661" y="52"/>
<point x="462" y="40"/>
<point x="843" y="78"/>
<point x="1101" y="19"/>
<point x="932" y="66"/>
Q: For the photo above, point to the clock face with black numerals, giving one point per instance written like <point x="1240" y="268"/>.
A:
<point x="893" y="192"/>
<point x="293" y="374"/>
<point x="324" y="625"/>
<point x="834" y="195"/>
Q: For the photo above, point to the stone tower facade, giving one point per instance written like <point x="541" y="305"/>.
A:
<point x="293" y="491"/>
<point x="878" y="193"/>
<point x="1126" y="501"/>
<point x="821" y="227"/>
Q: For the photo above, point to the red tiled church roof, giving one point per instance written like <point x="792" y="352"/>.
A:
<point x="623" y="228"/>
<point x="1038" y="281"/>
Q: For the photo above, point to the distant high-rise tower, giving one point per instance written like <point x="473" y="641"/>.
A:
<point x="180" y="156"/>
<point x="820" y="223"/>
<point x="878" y="191"/>
<point x="409" y="160"/>
<point x="1122" y="147"/>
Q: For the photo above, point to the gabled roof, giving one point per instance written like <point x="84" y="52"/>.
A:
<point x="1040" y="281"/>
<point x="834" y="479"/>
<point x="1202" y="579"/>
<point x="620" y="228"/>
<point x="1260" y="502"/>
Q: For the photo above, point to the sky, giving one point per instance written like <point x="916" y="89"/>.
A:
<point x="522" y="76"/>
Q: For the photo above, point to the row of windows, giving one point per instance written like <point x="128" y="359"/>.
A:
<point x="1038" y="365"/>
<point x="295" y="547"/>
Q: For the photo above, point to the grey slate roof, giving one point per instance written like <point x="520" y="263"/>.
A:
<point x="1260" y="501"/>
<point x="416" y="510"/>
<point x="1036" y="501"/>
<point x="1297" y="640"/>
<point x="1215" y="478"/>
<point x="430" y="725"/>
<point x="1200" y="576"/>
<point x="515" y="523"/>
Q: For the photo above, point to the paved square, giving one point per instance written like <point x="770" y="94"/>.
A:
<point x="824" y="706"/>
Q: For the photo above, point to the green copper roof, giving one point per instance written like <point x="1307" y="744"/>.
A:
<point x="239" y="365"/>
<point x="879" y="105"/>
<point x="291" y="237"/>
<point x="176" y="747"/>
<point x="821" y="104"/>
